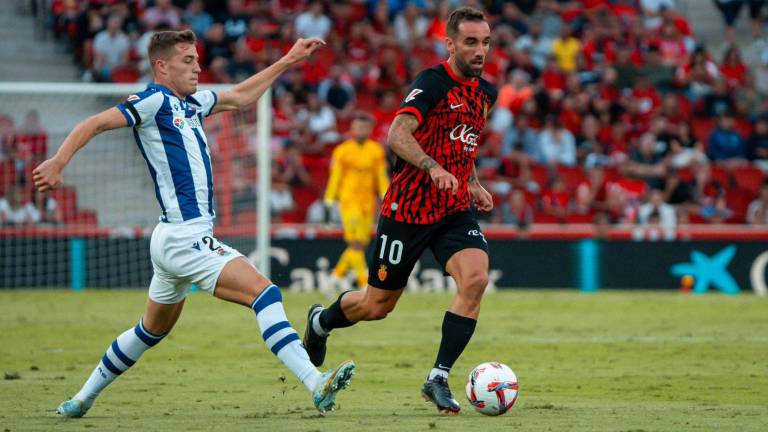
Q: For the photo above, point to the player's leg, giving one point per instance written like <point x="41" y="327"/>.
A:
<point x="125" y="350"/>
<point x="397" y="248"/>
<point x="463" y="252"/>
<point x="241" y="283"/>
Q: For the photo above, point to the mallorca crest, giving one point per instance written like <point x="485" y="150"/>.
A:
<point x="382" y="273"/>
<point x="178" y="122"/>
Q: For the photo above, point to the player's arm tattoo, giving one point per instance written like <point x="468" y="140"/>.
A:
<point x="403" y="143"/>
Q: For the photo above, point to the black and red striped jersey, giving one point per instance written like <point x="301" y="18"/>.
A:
<point x="452" y="114"/>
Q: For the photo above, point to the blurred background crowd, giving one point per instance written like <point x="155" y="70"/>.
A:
<point x="609" y="111"/>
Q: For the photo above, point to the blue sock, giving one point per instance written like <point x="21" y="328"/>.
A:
<point x="281" y="338"/>
<point x="120" y="356"/>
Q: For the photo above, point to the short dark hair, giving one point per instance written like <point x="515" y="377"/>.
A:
<point x="162" y="43"/>
<point x="460" y="15"/>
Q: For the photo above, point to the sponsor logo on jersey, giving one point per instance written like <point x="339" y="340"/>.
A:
<point x="178" y="122"/>
<point x="463" y="134"/>
<point x="193" y="122"/>
<point x="382" y="273"/>
<point x="412" y="95"/>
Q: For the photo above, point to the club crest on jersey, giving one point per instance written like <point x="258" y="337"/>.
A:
<point x="463" y="134"/>
<point x="382" y="273"/>
<point x="178" y="122"/>
<point x="412" y="95"/>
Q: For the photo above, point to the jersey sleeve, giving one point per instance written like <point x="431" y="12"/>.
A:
<point x="141" y="108"/>
<point x="207" y="100"/>
<point x="422" y="96"/>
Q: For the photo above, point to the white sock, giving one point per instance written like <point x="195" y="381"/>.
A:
<point x="437" y="372"/>
<point x="120" y="356"/>
<point x="281" y="338"/>
<point x="319" y="330"/>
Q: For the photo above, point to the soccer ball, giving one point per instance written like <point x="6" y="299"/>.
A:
<point x="492" y="388"/>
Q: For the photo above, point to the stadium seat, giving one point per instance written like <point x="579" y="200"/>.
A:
<point x="66" y="197"/>
<point x="83" y="217"/>
<point x="572" y="177"/>
<point x="702" y="128"/>
<point x="749" y="178"/>
<point x="7" y="176"/>
<point x="125" y="74"/>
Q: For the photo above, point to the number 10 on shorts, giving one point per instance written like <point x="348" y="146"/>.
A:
<point x="395" y="250"/>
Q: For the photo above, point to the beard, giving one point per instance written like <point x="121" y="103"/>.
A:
<point x="467" y="70"/>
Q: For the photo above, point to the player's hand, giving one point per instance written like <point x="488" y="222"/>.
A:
<point x="47" y="175"/>
<point x="483" y="199"/>
<point x="444" y="180"/>
<point x="302" y="49"/>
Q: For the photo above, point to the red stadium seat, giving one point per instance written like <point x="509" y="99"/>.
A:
<point x="125" y="74"/>
<point x="66" y="197"/>
<point x="7" y="176"/>
<point x="572" y="177"/>
<point x="702" y="128"/>
<point x="749" y="178"/>
<point x="83" y="217"/>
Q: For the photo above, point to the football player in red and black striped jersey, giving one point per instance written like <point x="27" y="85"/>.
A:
<point x="428" y="204"/>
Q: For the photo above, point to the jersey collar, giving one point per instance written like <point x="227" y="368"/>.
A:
<point x="164" y="89"/>
<point x="472" y="83"/>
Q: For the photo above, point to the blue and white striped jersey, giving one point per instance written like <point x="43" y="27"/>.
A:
<point x="169" y="133"/>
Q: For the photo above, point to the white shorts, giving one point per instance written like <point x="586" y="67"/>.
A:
<point x="185" y="254"/>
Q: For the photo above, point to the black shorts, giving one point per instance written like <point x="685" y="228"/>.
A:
<point x="399" y="246"/>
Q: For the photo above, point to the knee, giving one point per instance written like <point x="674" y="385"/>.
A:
<point x="474" y="286"/>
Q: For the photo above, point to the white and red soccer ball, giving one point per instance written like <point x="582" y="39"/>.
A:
<point x="492" y="388"/>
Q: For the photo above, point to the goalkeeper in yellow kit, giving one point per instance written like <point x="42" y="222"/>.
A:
<point x="358" y="177"/>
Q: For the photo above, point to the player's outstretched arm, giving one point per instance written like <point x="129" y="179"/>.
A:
<point x="47" y="175"/>
<point x="250" y="90"/>
<point x="403" y="143"/>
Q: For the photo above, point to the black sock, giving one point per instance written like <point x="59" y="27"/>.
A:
<point x="333" y="316"/>
<point x="457" y="331"/>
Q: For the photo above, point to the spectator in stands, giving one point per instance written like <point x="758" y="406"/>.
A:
<point x="726" y="146"/>
<point x="757" y="212"/>
<point x="730" y="10"/>
<point x="410" y="25"/>
<point x="235" y="20"/>
<point x="7" y="135"/>
<point x="31" y="140"/>
<point x="313" y="23"/>
<point x="292" y="169"/>
<point x="110" y="49"/>
<point x="646" y="163"/>
<point x="338" y="92"/>
<point x="556" y="199"/>
<point x="656" y="212"/>
<point x="280" y="199"/>
<point x="698" y="75"/>
<point x="15" y="212"/>
<point x="198" y="19"/>
<point x="719" y="100"/>
<point x="652" y="11"/>
<point x="520" y="135"/>
<point x="240" y="66"/>
<point x="557" y="144"/>
<point x="162" y="12"/>
<point x="660" y="75"/>
<point x="567" y="49"/>
<point x="516" y="211"/>
<point x="216" y="44"/>
<point x="45" y="208"/>
<point x="757" y="146"/>
<point x="732" y="68"/>
<point x="685" y="148"/>
<point x="319" y="124"/>
<point x="538" y="47"/>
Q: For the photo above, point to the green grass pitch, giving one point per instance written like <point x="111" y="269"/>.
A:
<point x="614" y="361"/>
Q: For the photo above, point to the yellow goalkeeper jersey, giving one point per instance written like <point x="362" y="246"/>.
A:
<point x="358" y="174"/>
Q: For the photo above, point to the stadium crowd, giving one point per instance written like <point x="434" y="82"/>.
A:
<point x="609" y="111"/>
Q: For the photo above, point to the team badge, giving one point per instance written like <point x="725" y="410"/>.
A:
<point x="178" y="122"/>
<point x="382" y="273"/>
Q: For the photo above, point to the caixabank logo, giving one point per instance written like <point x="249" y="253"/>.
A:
<point x="713" y="271"/>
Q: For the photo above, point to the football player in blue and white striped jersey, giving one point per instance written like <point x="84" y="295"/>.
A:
<point x="167" y="121"/>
